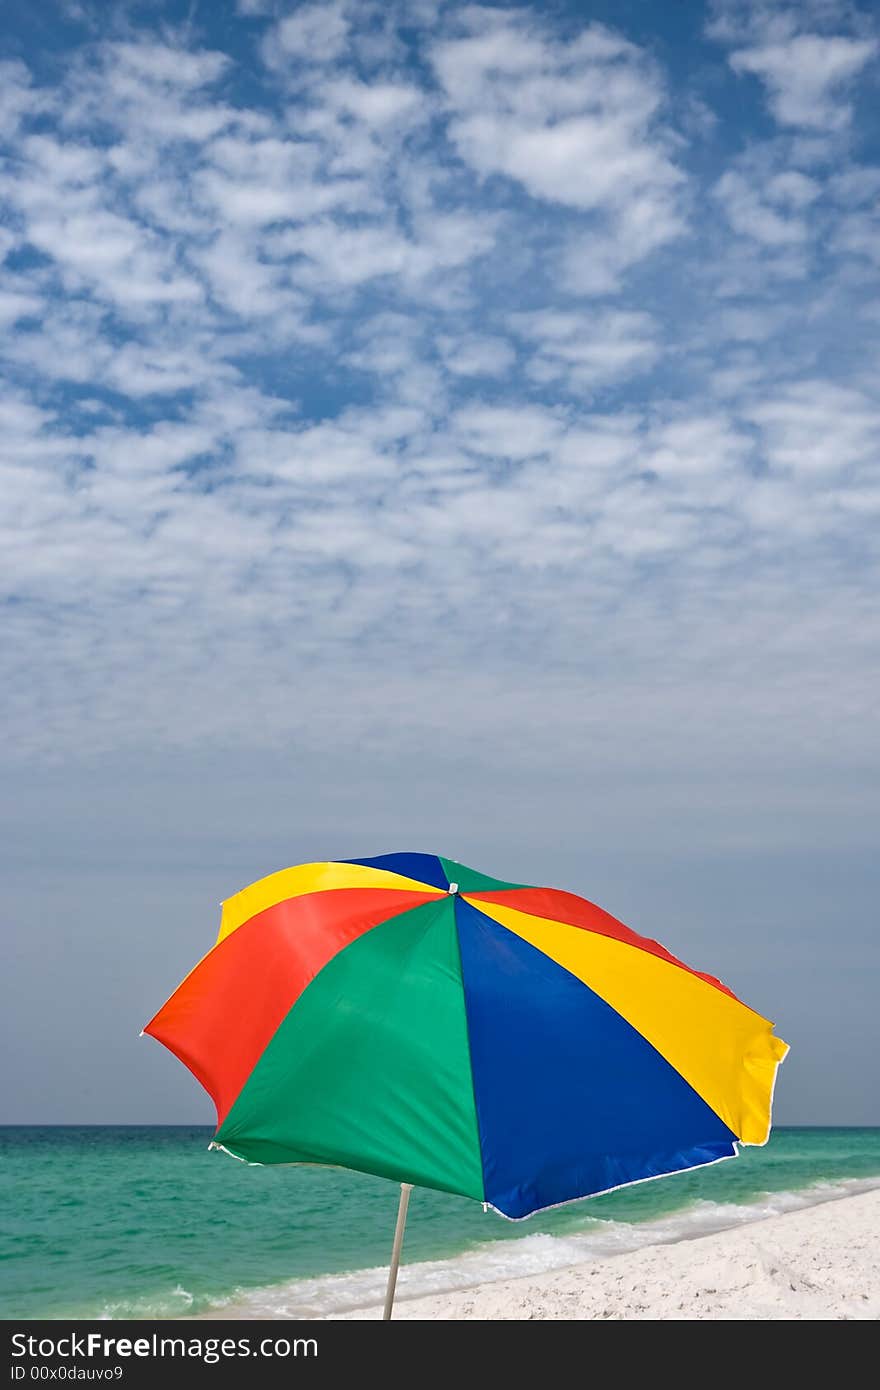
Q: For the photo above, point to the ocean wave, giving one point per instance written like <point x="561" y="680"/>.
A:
<point x="333" y="1295"/>
<point x="175" y="1303"/>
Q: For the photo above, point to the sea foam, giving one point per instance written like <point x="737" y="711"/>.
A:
<point x="335" y="1294"/>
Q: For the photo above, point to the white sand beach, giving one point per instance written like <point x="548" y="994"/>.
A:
<point x="819" y="1263"/>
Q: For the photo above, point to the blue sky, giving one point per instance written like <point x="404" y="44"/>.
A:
<point x="440" y="427"/>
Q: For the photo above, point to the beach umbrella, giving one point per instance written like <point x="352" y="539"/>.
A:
<point x="409" y="1017"/>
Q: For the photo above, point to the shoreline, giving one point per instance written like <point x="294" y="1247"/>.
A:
<point x="478" y="1283"/>
<point x="819" y="1263"/>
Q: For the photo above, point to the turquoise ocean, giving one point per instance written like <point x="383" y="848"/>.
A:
<point x="131" y="1222"/>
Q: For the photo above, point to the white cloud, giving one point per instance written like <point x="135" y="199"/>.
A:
<point x="476" y="356"/>
<point x="807" y="56"/>
<point x="792" y="189"/>
<point x="819" y="429"/>
<point x="377" y="104"/>
<point x="164" y="65"/>
<point x="589" y="349"/>
<point x="571" y="122"/>
<point x="859" y="235"/>
<point x="18" y="97"/>
<point x="253" y="182"/>
<point x="854" y="187"/>
<point x="240" y="280"/>
<point x="575" y="123"/>
<point x="748" y="323"/>
<point x="751" y="214"/>
<point x="65" y="163"/>
<point x="705" y="459"/>
<point x="509" y="432"/>
<point x="112" y="255"/>
<point x="595" y="263"/>
<point x="154" y="91"/>
<point x="806" y="75"/>
<point x="137" y="371"/>
<point x="15" y="305"/>
<point x="341" y="256"/>
<point x="313" y="33"/>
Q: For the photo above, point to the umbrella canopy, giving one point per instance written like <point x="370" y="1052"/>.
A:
<point x="409" y="1017"/>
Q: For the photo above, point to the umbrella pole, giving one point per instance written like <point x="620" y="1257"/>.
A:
<point x="405" y="1189"/>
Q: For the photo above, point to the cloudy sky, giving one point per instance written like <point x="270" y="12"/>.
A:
<point x="443" y="427"/>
